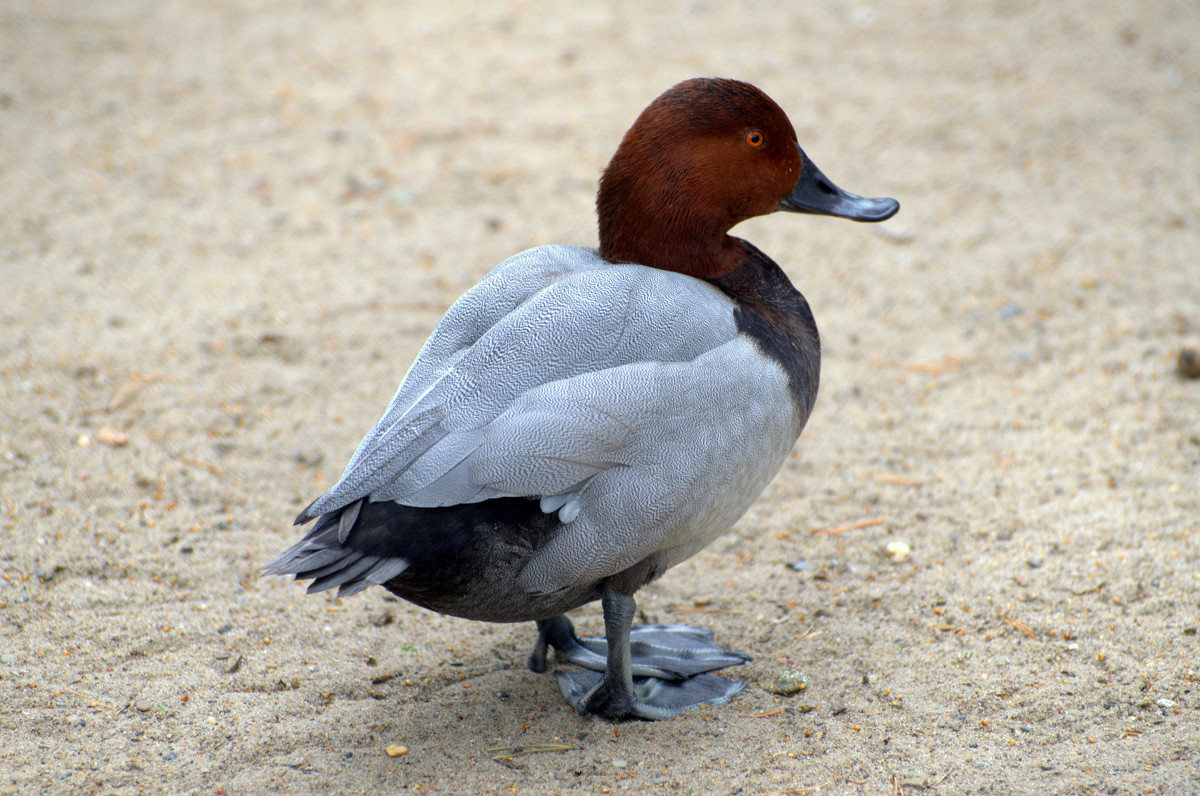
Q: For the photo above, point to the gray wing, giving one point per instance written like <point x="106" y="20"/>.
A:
<point x="646" y="458"/>
<point x="506" y="287"/>
<point x="548" y="315"/>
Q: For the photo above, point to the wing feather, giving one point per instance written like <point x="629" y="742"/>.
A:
<point x="546" y="317"/>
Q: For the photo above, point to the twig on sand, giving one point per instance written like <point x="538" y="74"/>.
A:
<point x="919" y="784"/>
<point x="506" y="752"/>
<point x="897" y="480"/>
<point x="93" y="702"/>
<point x="202" y="465"/>
<point x="809" y="789"/>
<point x="947" y="364"/>
<point x="135" y="383"/>
<point x="1019" y="625"/>
<point x="852" y="527"/>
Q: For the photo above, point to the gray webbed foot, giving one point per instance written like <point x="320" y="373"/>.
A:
<point x="654" y="698"/>
<point x="654" y="672"/>
<point x="672" y="652"/>
<point x="668" y="652"/>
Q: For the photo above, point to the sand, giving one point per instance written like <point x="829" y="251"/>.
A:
<point x="227" y="227"/>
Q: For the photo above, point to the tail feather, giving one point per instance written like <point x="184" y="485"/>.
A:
<point x="369" y="543"/>
<point x="306" y="514"/>
<point x="346" y="574"/>
<point x="383" y="571"/>
<point x="308" y="557"/>
<point x="347" y="559"/>
<point x="323" y="557"/>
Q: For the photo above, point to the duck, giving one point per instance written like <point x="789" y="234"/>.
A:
<point x="583" y="419"/>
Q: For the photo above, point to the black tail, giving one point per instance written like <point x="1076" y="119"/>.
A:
<point x="368" y="544"/>
<point x="324" y="556"/>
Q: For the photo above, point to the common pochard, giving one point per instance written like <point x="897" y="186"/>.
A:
<point x="584" y="419"/>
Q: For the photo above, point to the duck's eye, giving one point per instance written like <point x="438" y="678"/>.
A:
<point x="754" y="138"/>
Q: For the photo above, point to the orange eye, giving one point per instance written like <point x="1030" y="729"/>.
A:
<point x="754" y="138"/>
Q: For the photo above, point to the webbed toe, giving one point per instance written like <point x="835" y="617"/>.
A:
<point x="653" y="698"/>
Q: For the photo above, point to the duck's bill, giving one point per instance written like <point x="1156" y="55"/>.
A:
<point x="814" y="193"/>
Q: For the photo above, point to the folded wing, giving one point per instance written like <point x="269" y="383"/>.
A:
<point x="509" y="397"/>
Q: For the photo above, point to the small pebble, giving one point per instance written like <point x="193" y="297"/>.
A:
<point x="619" y="763"/>
<point x="307" y="457"/>
<point x="700" y="602"/>
<point x="396" y="750"/>
<point x="1165" y="703"/>
<point x="787" y="682"/>
<point x="112" y="438"/>
<point x="1188" y="363"/>
<point x="898" y="551"/>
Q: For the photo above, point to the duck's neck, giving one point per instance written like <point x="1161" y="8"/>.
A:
<point x="777" y="317"/>
<point x="704" y="257"/>
<point x="644" y="220"/>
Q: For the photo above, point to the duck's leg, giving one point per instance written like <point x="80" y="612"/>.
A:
<point x="613" y="695"/>
<point x="668" y="661"/>
<point x="558" y="632"/>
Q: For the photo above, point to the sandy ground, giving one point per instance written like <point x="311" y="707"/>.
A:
<point x="227" y="227"/>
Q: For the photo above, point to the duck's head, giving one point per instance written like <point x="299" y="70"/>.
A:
<point x="704" y="156"/>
